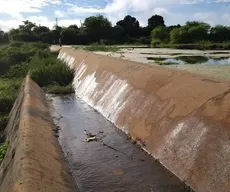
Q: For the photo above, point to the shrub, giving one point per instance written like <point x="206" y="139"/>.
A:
<point x="155" y="42"/>
<point x="49" y="71"/>
<point x="57" y="89"/>
<point x="98" y="47"/>
<point x="8" y="93"/>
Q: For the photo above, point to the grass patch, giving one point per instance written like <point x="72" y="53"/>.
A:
<point x="98" y="47"/>
<point x="219" y="52"/>
<point x="219" y="58"/>
<point x="4" y="118"/>
<point x="16" y="59"/>
<point x="50" y="71"/>
<point x="192" y="59"/>
<point x="57" y="89"/>
<point x="3" y="149"/>
<point x="167" y="63"/>
<point x="8" y="93"/>
<point x="204" y="45"/>
<point x="173" y="54"/>
<point x="155" y="58"/>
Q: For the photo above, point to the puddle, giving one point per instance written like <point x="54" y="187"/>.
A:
<point x="219" y="52"/>
<point x="111" y="163"/>
<point x="160" y="54"/>
<point x="193" y="60"/>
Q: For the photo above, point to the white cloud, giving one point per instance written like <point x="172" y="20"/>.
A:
<point x="16" y="7"/>
<point x="67" y="22"/>
<point x="7" y="25"/>
<point x="117" y="9"/>
<point x="59" y="13"/>
<point x="114" y="10"/>
<point x="39" y="20"/>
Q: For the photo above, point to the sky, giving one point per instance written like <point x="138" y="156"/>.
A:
<point x="44" y="12"/>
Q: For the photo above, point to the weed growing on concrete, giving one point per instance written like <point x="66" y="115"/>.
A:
<point x="3" y="149"/>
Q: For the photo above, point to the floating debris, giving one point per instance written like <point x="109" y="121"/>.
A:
<point x="89" y="139"/>
<point x="89" y="136"/>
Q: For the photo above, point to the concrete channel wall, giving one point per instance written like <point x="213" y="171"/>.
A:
<point x="33" y="161"/>
<point x="181" y="119"/>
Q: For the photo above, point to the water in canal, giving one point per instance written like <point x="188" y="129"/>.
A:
<point x="113" y="163"/>
<point x="182" y="60"/>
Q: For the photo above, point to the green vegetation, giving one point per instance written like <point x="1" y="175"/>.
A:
<point x="204" y="45"/>
<point x="8" y="93"/>
<point x="98" y="47"/>
<point x="57" y="89"/>
<point x="98" y="29"/>
<point x="192" y="59"/>
<point x="3" y="122"/>
<point x="16" y="60"/>
<point x="156" y="58"/>
<point x="3" y="149"/>
<point x="193" y="35"/>
<point x="167" y="63"/>
<point x="49" y="71"/>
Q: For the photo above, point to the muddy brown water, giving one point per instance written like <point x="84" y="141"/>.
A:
<point x="113" y="163"/>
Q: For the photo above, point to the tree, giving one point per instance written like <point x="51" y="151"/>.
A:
<point x="27" y="26"/>
<point x="40" y="29"/>
<point x="75" y="27"/>
<point x="171" y="27"/>
<point x="131" y="26"/>
<point x="96" y="24"/>
<point x="96" y="28"/>
<point x="1" y="35"/>
<point x="5" y="38"/>
<point x="220" y="33"/>
<point x="69" y="35"/>
<point x="161" y="33"/>
<point x="179" y="35"/>
<point x="155" y="21"/>
<point x="198" y="31"/>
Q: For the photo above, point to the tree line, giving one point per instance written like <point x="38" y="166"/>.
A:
<point x="128" y="30"/>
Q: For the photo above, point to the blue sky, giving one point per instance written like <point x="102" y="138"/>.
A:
<point x="44" y="12"/>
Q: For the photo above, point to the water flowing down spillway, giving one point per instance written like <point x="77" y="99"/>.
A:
<point x="112" y="163"/>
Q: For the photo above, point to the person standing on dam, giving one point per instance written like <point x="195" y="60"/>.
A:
<point x="60" y="41"/>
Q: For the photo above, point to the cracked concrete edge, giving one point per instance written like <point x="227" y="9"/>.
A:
<point x="34" y="161"/>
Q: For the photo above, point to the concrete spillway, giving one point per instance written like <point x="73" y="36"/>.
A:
<point x="180" y="118"/>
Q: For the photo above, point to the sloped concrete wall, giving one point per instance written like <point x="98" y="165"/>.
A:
<point x="33" y="161"/>
<point x="180" y="118"/>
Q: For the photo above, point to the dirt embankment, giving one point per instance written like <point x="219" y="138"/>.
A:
<point x="181" y="119"/>
<point x="33" y="161"/>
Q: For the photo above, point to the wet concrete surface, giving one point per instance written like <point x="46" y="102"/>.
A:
<point x="113" y="163"/>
